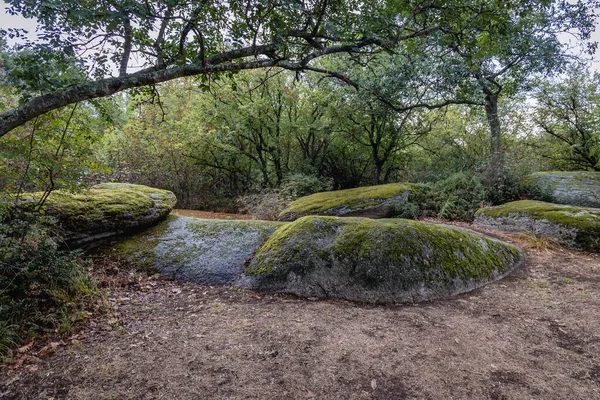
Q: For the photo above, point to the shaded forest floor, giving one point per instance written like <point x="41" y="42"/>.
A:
<point x="534" y="334"/>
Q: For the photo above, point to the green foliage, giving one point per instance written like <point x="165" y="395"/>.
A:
<point x="459" y="196"/>
<point x="568" y="114"/>
<point x="407" y="210"/>
<point x="299" y="185"/>
<point x="40" y="284"/>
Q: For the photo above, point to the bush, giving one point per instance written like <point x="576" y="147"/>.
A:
<point x="408" y="210"/>
<point x="457" y="197"/>
<point x="299" y="185"/>
<point x="266" y="205"/>
<point x="507" y="187"/>
<point x="42" y="288"/>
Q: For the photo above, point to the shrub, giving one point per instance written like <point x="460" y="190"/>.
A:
<point x="298" y="185"/>
<point x="457" y="197"/>
<point x="267" y="204"/>
<point x="408" y="210"/>
<point x="41" y="285"/>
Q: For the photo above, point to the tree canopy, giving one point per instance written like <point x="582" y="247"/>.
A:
<point x="128" y="44"/>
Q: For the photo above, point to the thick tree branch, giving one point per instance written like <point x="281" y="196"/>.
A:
<point x="126" y="47"/>
<point x="106" y="87"/>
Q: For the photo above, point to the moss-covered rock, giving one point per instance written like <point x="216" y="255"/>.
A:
<point x="577" y="227"/>
<point x="380" y="201"/>
<point x="198" y="250"/>
<point x="105" y="210"/>
<point x="577" y="188"/>
<point x="377" y="261"/>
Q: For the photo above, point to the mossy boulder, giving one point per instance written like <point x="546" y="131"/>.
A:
<point x="577" y="227"/>
<point x="380" y="201"/>
<point x="377" y="261"/>
<point x="208" y="251"/>
<point x="577" y="188"/>
<point x="105" y="210"/>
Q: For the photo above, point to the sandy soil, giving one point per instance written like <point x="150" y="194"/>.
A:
<point x="532" y="335"/>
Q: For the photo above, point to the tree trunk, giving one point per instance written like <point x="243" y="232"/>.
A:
<point x="496" y="167"/>
<point x="378" y="169"/>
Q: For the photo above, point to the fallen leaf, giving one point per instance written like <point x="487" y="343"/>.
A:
<point x="374" y="384"/>
<point x="26" y="348"/>
<point x="48" y="349"/>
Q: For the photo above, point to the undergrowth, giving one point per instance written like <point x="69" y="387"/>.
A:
<point x="43" y="287"/>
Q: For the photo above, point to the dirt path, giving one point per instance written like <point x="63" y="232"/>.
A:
<point x="533" y="335"/>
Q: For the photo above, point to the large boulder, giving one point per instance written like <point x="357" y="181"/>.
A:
<point x="577" y="227"/>
<point x="197" y="250"/>
<point x="377" y="261"/>
<point x="578" y="188"/>
<point x="380" y="201"/>
<point x="105" y="210"/>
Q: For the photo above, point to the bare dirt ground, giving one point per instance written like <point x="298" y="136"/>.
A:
<point x="532" y="335"/>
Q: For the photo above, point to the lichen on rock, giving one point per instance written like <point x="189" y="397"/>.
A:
<point x="577" y="227"/>
<point x="379" y="201"/>
<point x="196" y="250"/>
<point x="578" y="188"/>
<point x="377" y="261"/>
<point x="105" y="210"/>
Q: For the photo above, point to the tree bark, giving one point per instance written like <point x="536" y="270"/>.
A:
<point x="128" y="33"/>
<point x="109" y="86"/>
<point x="496" y="167"/>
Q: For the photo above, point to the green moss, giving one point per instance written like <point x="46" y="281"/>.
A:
<point x="582" y="218"/>
<point x="138" y="250"/>
<point x="104" y="203"/>
<point x="178" y="242"/>
<point x="315" y="228"/>
<point x="350" y="198"/>
<point x="376" y="251"/>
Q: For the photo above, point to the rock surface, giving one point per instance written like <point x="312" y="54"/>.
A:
<point x="577" y="188"/>
<point x="106" y="210"/>
<point x="577" y="227"/>
<point x="380" y="201"/>
<point x="377" y="261"/>
<point x="197" y="250"/>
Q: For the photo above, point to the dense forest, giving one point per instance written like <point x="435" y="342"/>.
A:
<point x="270" y="136"/>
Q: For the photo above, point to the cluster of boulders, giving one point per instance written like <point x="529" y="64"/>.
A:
<point x="570" y="214"/>
<point x="324" y="246"/>
<point x="326" y="251"/>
